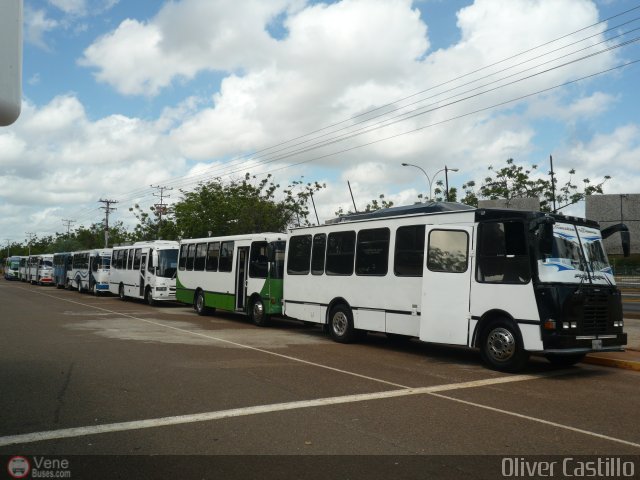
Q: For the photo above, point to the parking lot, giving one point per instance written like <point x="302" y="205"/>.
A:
<point x="85" y="375"/>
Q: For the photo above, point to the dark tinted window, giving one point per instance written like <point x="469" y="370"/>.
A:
<point x="340" y="253"/>
<point x="191" y="255"/>
<point x="299" y="255"/>
<point x="317" y="253"/>
<point x="226" y="257"/>
<point x="182" y="262"/>
<point x="259" y="260"/>
<point x="408" y="259"/>
<point x="502" y="253"/>
<point x="136" y="259"/>
<point x="448" y="251"/>
<point x="213" y="252"/>
<point x="372" y="252"/>
<point x="130" y="259"/>
<point x="201" y="256"/>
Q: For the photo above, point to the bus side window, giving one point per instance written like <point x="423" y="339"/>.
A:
<point x="191" y="255"/>
<point x="258" y="260"/>
<point x="299" y="255"/>
<point x="130" y="260"/>
<point x="213" y="252"/>
<point x="318" y="253"/>
<point x="201" y="256"/>
<point x="341" y="248"/>
<point x="448" y="251"/>
<point x="502" y="253"/>
<point x="372" y="252"/>
<point x="183" y="257"/>
<point x="226" y="257"/>
<point x="409" y="252"/>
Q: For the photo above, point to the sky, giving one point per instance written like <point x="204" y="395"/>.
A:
<point x="119" y="96"/>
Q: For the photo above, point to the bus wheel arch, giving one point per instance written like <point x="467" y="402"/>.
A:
<point x="500" y="342"/>
<point x="257" y="311"/>
<point x="340" y="321"/>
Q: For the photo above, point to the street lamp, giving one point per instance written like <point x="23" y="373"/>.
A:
<point x="430" y="179"/>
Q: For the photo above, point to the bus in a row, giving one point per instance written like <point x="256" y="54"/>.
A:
<point x="507" y="282"/>
<point x="12" y="267"/>
<point x="145" y="270"/>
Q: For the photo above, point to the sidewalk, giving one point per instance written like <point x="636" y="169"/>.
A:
<point x="630" y="358"/>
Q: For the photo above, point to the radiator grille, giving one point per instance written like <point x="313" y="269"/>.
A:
<point x="595" y="314"/>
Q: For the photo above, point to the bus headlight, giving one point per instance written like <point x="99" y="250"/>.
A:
<point x="565" y="325"/>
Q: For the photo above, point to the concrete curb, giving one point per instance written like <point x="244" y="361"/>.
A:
<point x="612" y="362"/>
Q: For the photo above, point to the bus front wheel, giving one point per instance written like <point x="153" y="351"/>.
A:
<point x="501" y="346"/>
<point x="258" y="314"/>
<point x="149" y="297"/>
<point x="341" y="324"/>
<point x="121" y="292"/>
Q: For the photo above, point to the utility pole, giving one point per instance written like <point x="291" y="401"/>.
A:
<point x="107" y="209"/>
<point x="160" y="206"/>
<point x="67" y="223"/>
<point x="553" y="185"/>
<point x="30" y="235"/>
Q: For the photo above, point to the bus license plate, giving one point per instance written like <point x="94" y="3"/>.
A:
<point x="596" y="344"/>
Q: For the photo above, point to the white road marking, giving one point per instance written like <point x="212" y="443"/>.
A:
<point x="230" y="342"/>
<point x="539" y="420"/>
<point x="259" y="409"/>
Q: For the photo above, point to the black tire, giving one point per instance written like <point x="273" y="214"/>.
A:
<point x="257" y="313"/>
<point x="95" y="290"/>
<point x="121" y="294"/>
<point x="79" y="282"/>
<point x="501" y="346"/>
<point x="341" y="324"/>
<point x="565" y="360"/>
<point x="148" y="297"/>
<point x="199" y="303"/>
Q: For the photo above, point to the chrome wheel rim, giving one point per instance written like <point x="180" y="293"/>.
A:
<point x="258" y="311"/>
<point x="501" y="344"/>
<point x="339" y="323"/>
<point x="200" y="303"/>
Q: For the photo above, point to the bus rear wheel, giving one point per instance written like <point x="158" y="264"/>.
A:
<point x="198" y="303"/>
<point x="121" y="292"/>
<point x="258" y="314"/>
<point x="341" y="324"/>
<point x="501" y="346"/>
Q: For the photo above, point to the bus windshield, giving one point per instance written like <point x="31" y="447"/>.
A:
<point x="167" y="263"/>
<point x="578" y="256"/>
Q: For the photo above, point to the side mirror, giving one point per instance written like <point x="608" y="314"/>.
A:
<point x="625" y="236"/>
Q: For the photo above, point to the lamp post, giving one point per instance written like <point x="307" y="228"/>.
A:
<point x="430" y="179"/>
<point x="446" y="180"/>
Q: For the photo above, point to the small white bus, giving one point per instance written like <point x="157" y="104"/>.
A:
<point x="507" y="282"/>
<point x="89" y="271"/>
<point x="145" y="270"/>
<point x="240" y="273"/>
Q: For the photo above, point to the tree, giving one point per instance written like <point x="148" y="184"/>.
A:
<point x="239" y="207"/>
<point x="516" y="181"/>
<point x="150" y="227"/>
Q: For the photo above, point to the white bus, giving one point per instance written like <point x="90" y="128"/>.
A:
<point x="32" y="268"/>
<point x="11" y="267"/>
<point x="240" y="273"/>
<point x="145" y="270"/>
<point x="23" y="269"/>
<point x="90" y="271"/>
<point x="39" y="269"/>
<point x="507" y="282"/>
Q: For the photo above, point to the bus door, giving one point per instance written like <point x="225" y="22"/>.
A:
<point x="94" y="264"/>
<point x="143" y="273"/>
<point x="446" y="283"/>
<point x="241" y="277"/>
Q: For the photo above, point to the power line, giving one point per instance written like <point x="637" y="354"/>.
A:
<point x="107" y="209"/>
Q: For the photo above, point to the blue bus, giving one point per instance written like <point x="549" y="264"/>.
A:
<point x="61" y="265"/>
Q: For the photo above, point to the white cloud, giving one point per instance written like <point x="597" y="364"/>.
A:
<point x="36" y="25"/>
